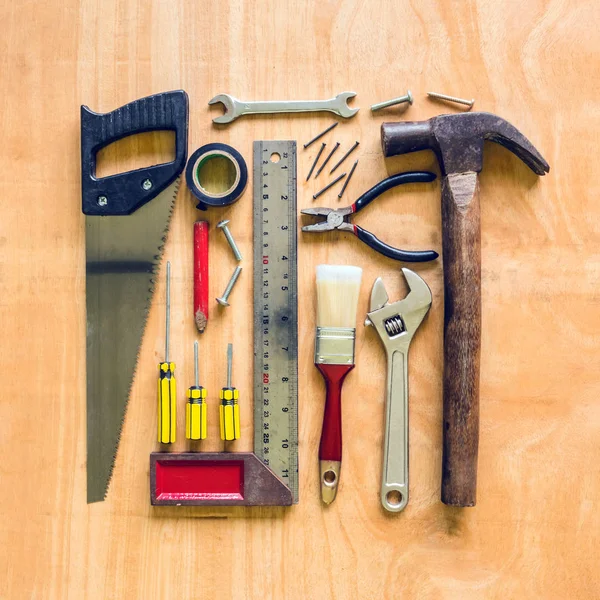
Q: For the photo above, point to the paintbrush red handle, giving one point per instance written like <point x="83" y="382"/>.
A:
<point x="330" y="448"/>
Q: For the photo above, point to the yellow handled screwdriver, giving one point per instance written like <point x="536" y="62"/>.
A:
<point x="167" y="396"/>
<point x="229" y="411"/>
<point x="195" y="409"/>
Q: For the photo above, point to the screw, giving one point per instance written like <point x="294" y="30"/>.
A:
<point x="408" y="98"/>
<point x="223" y="225"/>
<point x="102" y="200"/>
<point x="147" y="184"/>
<point x="223" y="299"/>
<point x="468" y="103"/>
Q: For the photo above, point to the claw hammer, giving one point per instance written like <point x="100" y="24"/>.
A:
<point x="457" y="141"/>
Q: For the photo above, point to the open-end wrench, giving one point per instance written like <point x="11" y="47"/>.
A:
<point x="235" y="108"/>
<point x="396" y="324"/>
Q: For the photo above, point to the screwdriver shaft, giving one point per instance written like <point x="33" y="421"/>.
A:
<point x="196" y="368"/>
<point x="229" y="363"/>
<point x="168" y="312"/>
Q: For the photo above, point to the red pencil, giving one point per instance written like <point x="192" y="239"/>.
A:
<point x="201" y="274"/>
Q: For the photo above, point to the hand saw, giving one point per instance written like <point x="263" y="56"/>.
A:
<point x="127" y="218"/>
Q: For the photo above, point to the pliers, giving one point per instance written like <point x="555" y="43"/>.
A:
<point x="338" y="218"/>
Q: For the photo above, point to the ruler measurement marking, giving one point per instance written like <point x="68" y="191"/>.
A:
<point x="275" y="318"/>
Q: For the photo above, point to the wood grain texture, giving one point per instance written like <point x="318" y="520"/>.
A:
<point x="534" y="533"/>
<point x="461" y="245"/>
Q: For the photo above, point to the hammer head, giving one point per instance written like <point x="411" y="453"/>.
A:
<point x="458" y="140"/>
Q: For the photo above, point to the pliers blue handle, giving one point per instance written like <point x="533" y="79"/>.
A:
<point x="338" y="218"/>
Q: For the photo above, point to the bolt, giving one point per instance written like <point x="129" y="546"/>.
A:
<point x="223" y="299"/>
<point x="147" y="184"/>
<point x="408" y="98"/>
<point x="468" y="103"/>
<point x="223" y="225"/>
<point x="102" y="200"/>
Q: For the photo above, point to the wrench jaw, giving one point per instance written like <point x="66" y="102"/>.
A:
<point x="396" y="323"/>
<point x="229" y="104"/>
<point x="342" y="105"/>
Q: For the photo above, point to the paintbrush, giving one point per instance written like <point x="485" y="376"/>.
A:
<point x="337" y="300"/>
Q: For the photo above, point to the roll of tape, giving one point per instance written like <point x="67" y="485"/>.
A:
<point x="201" y="156"/>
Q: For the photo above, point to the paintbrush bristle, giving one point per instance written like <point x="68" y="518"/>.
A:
<point x="337" y="295"/>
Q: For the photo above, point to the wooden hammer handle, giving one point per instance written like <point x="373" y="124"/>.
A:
<point x="462" y="336"/>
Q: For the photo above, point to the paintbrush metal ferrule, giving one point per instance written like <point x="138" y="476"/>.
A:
<point x="335" y="346"/>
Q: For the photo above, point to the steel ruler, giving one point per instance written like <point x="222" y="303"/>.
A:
<point x="276" y="310"/>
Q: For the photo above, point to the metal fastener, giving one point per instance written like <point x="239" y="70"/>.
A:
<point x="316" y="160"/>
<point x="348" y="179"/>
<point x="102" y="200"/>
<point x="329" y="185"/>
<point x="320" y="135"/>
<point x="407" y="98"/>
<point x="337" y="145"/>
<point x="339" y="162"/>
<point x="223" y="225"/>
<point x="147" y="184"/>
<point x="223" y="299"/>
<point x="468" y="103"/>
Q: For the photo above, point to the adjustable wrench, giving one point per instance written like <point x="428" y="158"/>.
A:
<point x="235" y="108"/>
<point x="396" y="324"/>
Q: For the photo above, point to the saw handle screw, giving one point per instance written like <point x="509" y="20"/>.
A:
<point x="102" y="200"/>
<point x="223" y="299"/>
<point x="223" y="226"/>
<point x="147" y="184"/>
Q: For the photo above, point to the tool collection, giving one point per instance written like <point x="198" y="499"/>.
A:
<point x="127" y="218"/>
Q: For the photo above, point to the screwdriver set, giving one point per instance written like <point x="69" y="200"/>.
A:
<point x="127" y="219"/>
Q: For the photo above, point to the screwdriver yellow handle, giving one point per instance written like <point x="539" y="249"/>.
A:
<point x="229" y="414"/>
<point x="167" y="403"/>
<point x="195" y="414"/>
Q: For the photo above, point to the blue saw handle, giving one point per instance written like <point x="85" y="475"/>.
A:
<point x="124" y="193"/>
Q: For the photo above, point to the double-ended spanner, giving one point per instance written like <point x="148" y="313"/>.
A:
<point x="235" y="108"/>
<point x="396" y="325"/>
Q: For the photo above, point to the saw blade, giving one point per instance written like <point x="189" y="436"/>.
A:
<point x="122" y="255"/>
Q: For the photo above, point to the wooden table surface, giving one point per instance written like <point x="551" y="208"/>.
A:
<point x="535" y="530"/>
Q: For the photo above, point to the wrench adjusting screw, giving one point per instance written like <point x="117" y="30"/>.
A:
<point x="223" y="299"/>
<point x="223" y="226"/>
